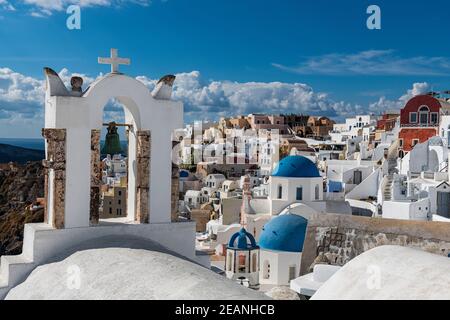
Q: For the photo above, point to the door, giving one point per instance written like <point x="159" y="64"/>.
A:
<point x="443" y="204"/>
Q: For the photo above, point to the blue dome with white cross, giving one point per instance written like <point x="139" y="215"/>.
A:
<point x="296" y="167"/>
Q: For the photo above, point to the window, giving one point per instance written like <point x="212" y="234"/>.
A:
<point x="317" y="192"/>
<point x="119" y="201"/>
<point x="434" y="118"/>
<point x="280" y="192"/>
<point x="413" y="117"/>
<point x="291" y="272"/>
<point x="110" y="210"/>
<point x="414" y="142"/>
<point x="254" y="262"/>
<point x="299" y="196"/>
<point x="242" y="267"/>
<point x="423" y="115"/>
<point x="120" y="193"/>
<point x="400" y="143"/>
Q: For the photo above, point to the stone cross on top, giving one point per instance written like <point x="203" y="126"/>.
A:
<point x="114" y="61"/>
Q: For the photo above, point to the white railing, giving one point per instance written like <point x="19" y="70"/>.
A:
<point x="422" y="125"/>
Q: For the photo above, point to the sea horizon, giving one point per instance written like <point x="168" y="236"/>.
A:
<point x="37" y="143"/>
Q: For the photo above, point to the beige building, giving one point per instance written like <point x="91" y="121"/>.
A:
<point x="114" y="203"/>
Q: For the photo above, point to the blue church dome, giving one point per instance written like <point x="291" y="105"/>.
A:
<point x="184" y="174"/>
<point x="285" y="232"/>
<point x="245" y="241"/>
<point x="296" y="167"/>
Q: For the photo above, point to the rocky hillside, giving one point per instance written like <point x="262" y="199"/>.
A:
<point x="20" y="155"/>
<point x="20" y="185"/>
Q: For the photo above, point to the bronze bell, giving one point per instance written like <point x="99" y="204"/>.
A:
<point x="112" y="142"/>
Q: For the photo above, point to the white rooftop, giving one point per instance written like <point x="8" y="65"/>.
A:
<point x="390" y="273"/>
<point x="122" y="273"/>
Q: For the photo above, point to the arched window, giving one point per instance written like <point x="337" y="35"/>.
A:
<point x="254" y="262"/>
<point x="317" y="191"/>
<point x="280" y="192"/>
<point x="423" y="115"/>
<point x="299" y="194"/>
<point x="242" y="266"/>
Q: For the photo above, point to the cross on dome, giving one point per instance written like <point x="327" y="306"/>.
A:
<point x="114" y="61"/>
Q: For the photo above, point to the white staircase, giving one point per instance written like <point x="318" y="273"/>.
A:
<point x="387" y="191"/>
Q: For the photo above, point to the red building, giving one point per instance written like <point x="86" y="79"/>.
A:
<point x="419" y="121"/>
<point x="387" y="121"/>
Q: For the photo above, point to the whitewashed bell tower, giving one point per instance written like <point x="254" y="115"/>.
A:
<point x="73" y="120"/>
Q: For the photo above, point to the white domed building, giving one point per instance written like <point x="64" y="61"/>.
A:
<point x="296" y="179"/>
<point x="242" y="258"/>
<point x="281" y="246"/>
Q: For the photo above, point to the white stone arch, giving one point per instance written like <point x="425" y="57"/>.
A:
<point x="131" y="93"/>
<point x="78" y="113"/>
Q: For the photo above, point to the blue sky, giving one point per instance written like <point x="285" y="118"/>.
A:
<point x="244" y="56"/>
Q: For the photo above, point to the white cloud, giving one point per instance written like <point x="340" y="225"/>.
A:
<point x="45" y="8"/>
<point x="5" y="5"/>
<point x="384" y="104"/>
<point x="22" y="98"/>
<point x="371" y="63"/>
<point x="222" y="98"/>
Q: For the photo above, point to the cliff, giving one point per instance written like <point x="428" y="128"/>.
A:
<point x="20" y="185"/>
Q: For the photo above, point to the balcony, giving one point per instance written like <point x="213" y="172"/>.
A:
<point x="419" y="125"/>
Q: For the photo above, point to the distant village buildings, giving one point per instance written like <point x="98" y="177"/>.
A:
<point x="388" y="166"/>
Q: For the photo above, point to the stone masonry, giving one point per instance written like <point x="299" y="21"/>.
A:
<point x="96" y="176"/>
<point x="143" y="176"/>
<point x="336" y="239"/>
<point x="55" y="161"/>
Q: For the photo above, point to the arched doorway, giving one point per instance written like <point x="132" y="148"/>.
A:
<point x="110" y="167"/>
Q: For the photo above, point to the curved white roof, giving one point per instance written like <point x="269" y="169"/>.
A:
<point x="390" y="272"/>
<point x="122" y="273"/>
